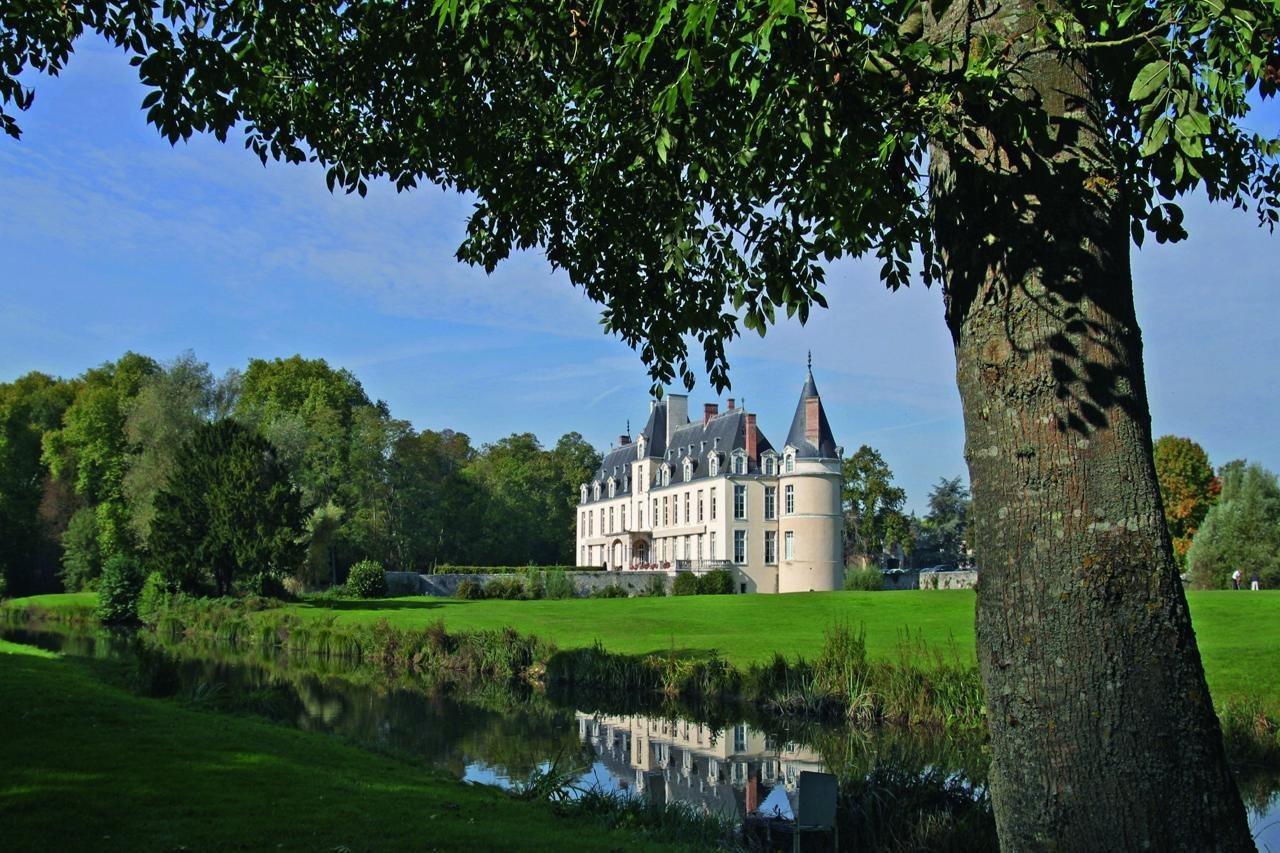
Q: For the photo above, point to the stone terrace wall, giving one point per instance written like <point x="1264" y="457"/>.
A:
<point x="445" y="585"/>
<point x="917" y="579"/>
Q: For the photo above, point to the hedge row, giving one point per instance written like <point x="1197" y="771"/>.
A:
<point x="507" y="570"/>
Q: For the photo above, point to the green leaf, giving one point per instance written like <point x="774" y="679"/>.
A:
<point x="1149" y="79"/>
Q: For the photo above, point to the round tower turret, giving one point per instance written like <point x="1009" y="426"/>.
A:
<point x="811" y="518"/>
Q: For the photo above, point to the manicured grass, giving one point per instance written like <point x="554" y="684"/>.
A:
<point x="1238" y="632"/>
<point x="88" y="766"/>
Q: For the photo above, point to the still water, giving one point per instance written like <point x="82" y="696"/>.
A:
<point x="731" y="768"/>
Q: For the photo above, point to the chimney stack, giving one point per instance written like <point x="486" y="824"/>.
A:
<point x="811" y="409"/>
<point x="677" y="415"/>
<point x="624" y="439"/>
<point x="709" y="411"/>
<point x="753" y="439"/>
<point x="730" y="406"/>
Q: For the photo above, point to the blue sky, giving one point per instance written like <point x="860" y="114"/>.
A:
<point x="112" y="240"/>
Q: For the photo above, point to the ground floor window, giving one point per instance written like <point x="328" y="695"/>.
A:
<point x="711" y="550"/>
<point x="740" y="546"/>
<point x="789" y="545"/>
<point x="770" y="547"/>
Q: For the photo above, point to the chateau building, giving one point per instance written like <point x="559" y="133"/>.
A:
<point x="714" y="493"/>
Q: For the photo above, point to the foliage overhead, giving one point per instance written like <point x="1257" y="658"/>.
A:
<point x="692" y="166"/>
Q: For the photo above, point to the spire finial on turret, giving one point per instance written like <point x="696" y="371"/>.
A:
<point x="810" y="363"/>
<point x="628" y="427"/>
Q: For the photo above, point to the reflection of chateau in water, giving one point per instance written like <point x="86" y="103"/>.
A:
<point x="734" y="771"/>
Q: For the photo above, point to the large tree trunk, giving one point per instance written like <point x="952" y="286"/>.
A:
<point x="1103" y="732"/>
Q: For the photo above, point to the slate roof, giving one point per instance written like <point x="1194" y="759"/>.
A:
<point x="826" y="446"/>
<point x="723" y="434"/>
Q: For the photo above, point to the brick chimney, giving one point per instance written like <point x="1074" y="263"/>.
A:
<point x="624" y="439"/>
<point x="753" y="439"/>
<point x="709" y="411"/>
<point x="811" y="408"/>
<point x="729" y="408"/>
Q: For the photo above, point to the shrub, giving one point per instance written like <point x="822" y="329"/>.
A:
<point x="869" y="579"/>
<point x="536" y="585"/>
<point x="265" y="584"/>
<point x="118" y="590"/>
<point x="718" y="582"/>
<point x="446" y="569"/>
<point x="367" y="579"/>
<point x="685" y="584"/>
<point x="613" y="590"/>
<point x="153" y="598"/>
<point x="469" y="590"/>
<point x="511" y="588"/>
<point x="559" y="585"/>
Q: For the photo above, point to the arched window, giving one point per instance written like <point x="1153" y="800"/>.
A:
<point x="665" y="475"/>
<point x="739" y="464"/>
<point x="688" y="469"/>
<point x="613" y="487"/>
<point x="789" y="463"/>
<point x="584" y="492"/>
<point x="713" y="465"/>
<point x="595" y="491"/>
<point x="770" y="464"/>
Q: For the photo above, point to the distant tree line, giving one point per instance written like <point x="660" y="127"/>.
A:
<point x="286" y="469"/>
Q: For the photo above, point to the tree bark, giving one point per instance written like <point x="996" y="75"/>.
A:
<point x="1102" y="729"/>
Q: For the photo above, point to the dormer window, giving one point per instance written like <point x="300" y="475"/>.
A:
<point x="769" y="463"/>
<point x="640" y="447"/>
<point x="738" y="464"/>
<point x="665" y="475"/>
<point x="713" y="465"/>
<point x="584" y="492"/>
<point x="595" y="491"/>
<point x="613" y="487"/>
<point x="715" y="443"/>
<point x="688" y="469"/>
<point x="789" y="462"/>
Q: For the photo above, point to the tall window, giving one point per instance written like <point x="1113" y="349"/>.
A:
<point x="640" y="516"/>
<point x="591" y="524"/>
<point x="770" y="547"/>
<point x="688" y="516"/>
<point x="624" y="516"/>
<point x="611" y="527"/>
<point x="739" y="502"/>
<point x="740" y="547"/>
<point x="789" y="500"/>
<point x="613" y="487"/>
<point x="713" y="466"/>
<point x="666" y="518"/>
<point x="790" y="464"/>
<point x="770" y="502"/>
<point x="699" y="504"/>
<point x="688" y="549"/>
<point x="713" y="504"/>
<point x="739" y="464"/>
<point x="711" y="545"/>
<point x="655" y="512"/>
<point x="789" y="545"/>
<point x="770" y="466"/>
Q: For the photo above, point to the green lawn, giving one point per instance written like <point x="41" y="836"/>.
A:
<point x="1238" y="632"/>
<point x="90" y="767"/>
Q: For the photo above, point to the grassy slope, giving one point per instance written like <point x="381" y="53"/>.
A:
<point x="1238" y="632"/>
<point x="88" y="766"/>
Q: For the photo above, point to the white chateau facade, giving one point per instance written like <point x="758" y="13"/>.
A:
<point x="715" y="494"/>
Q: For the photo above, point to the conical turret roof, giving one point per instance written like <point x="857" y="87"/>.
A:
<point x="800" y="434"/>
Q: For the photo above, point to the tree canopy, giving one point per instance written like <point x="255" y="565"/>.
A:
<point x="873" y="517"/>
<point x="1187" y="488"/>
<point x="1241" y="531"/>
<point x="690" y="164"/>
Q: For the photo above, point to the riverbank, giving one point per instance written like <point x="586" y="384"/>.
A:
<point x="88" y="765"/>
<point x="1238" y="633"/>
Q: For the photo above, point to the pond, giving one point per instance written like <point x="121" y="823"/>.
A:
<point x="893" y="785"/>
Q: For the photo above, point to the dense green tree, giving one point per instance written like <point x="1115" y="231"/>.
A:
<point x="435" y="507"/>
<point x="1187" y="488"/>
<point x="92" y="453"/>
<point x="873" y="519"/>
<point x="30" y="406"/>
<point x="169" y="406"/>
<point x="574" y="461"/>
<point x="1240" y="531"/>
<point x="940" y="535"/>
<point x="675" y="159"/>
<point x="228" y="512"/>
